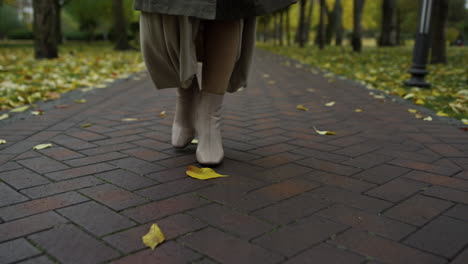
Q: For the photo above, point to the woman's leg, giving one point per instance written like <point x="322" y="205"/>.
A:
<point x="221" y="44"/>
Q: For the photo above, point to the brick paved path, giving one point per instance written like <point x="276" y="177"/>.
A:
<point x="388" y="188"/>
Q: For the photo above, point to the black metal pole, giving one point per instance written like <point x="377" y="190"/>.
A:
<point x="421" y="47"/>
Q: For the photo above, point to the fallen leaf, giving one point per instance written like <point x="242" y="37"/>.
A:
<point x="2" y="141"/>
<point x="332" y="103"/>
<point x="379" y="96"/>
<point x="4" y="116"/>
<point x="408" y="96"/>
<point x="194" y="141"/>
<point x="271" y="82"/>
<point x="428" y="118"/>
<point x="465" y="121"/>
<point x="420" y="102"/>
<point x="301" y="107"/>
<point x="440" y="113"/>
<point x="203" y="173"/>
<point x="311" y="90"/>
<point x="418" y="115"/>
<point x="42" y="146"/>
<point x="87" y="125"/>
<point x="412" y="110"/>
<point x="154" y="237"/>
<point x="358" y="110"/>
<point x="129" y="119"/>
<point x="162" y="114"/>
<point x="20" y="109"/>
<point x="266" y="76"/>
<point x="324" y="132"/>
<point x="80" y="101"/>
<point x="37" y="112"/>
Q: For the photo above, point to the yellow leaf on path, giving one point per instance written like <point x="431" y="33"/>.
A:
<point x="324" y="132"/>
<point x="20" y="109"/>
<point x="2" y="141"/>
<point x="379" y="96"/>
<point x="358" y="110"/>
<point x="332" y="103"/>
<point x="429" y="118"/>
<point x="87" y="125"/>
<point x="162" y="114"/>
<point x="37" y="112"/>
<point x="266" y="76"/>
<point x="412" y="110"/>
<point x="440" y="113"/>
<point x="418" y="115"/>
<point x="80" y="101"/>
<point x="271" y="82"/>
<point x="4" y="116"/>
<point x="154" y="237"/>
<point x="42" y="146"/>
<point x="420" y="102"/>
<point x="311" y="90"/>
<point x="408" y="96"/>
<point x="301" y="107"/>
<point x="465" y="121"/>
<point x="129" y="119"/>
<point x="203" y="173"/>
<point x="194" y="141"/>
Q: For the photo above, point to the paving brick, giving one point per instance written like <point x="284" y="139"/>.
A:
<point x="103" y="220"/>
<point x="117" y="140"/>
<point x="38" y="260"/>
<point x="292" y="209"/>
<point x="282" y="172"/>
<point x="367" y="221"/>
<point x="106" y="149"/>
<point x="326" y="254"/>
<point x="69" y="244"/>
<point x="339" y="181"/>
<point x="72" y="143"/>
<point x="27" y="155"/>
<point x="178" y="161"/>
<point x="239" y="155"/>
<point x="447" y="171"/>
<point x="165" y="190"/>
<point x="22" y="178"/>
<point x="137" y="165"/>
<point x="86" y="135"/>
<point x="459" y="211"/>
<point x="126" y="179"/>
<point x="152" y="144"/>
<point x="348" y="198"/>
<point x="95" y="159"/>
<point x="322" y="155"/>
<point x="61" y="187"/>
<point x="227" y="249"/>
<point x="43" y="164"/>
<point x="169" y="174"/>
<point x="461" y="258"/>
<point x="8" y="166"/>
<point x="292" y="239"/>
<point x="173" y="226"/>
<point x="271" y="140"/>
<point x="114" y="197"/>
<point x="397" y="189"/>
<point x="168" y="252"/>
<point x="382" y="249"/>
<point x="80" y="171"/>
<point x="16" y="250"/>
<point x="434" y="179"/>
<point x="313" y="145"/>
<point x="40" y="205"/>
<point x="443" y="236"/>
<point x="276" y="160"/>
<point x="242" y="225"/>
<point x="381" y="174"/>
<point x="328" y="166"/>
<point x="418" y="209"/>
<point x="146" y="154"/>
<point x="240" y="146"/>
<point x="167" y="207"/>
<point x="446" y="150"/>
<point x="273" y="149"/>
<point x="28" y="225"/>
<point x="367" y="160"/>
<point x="60" y="153"/>
<point x="356" y="150"/>
<point x="10" y="196"/>
<point x="447" y="194"/>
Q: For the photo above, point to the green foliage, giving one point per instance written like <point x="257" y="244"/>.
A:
<point x="24" y="80"/>
<point x="9" y="20"/>
<point x="386" y="69"/>
<point x="20" y="34"/>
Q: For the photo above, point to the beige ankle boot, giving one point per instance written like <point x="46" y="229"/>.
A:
<point x="183" y="130"/>
<point x="208" y="128"/>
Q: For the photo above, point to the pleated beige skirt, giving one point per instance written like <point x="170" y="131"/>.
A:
<point x="171" y="47"/>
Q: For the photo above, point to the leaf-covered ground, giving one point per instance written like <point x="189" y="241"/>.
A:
<point x="386" y="69"/>
<point x="24" y="80"/>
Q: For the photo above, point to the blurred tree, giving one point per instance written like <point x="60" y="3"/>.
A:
<point x="310" y="11"/>
<point x="339" y="23"/>
<point x="334" y="21"/>
<point x="120" y="26"/>
<point x="388" y="25"/>
<point x="439" y="29"/>
<point x="356" y="40"/>
<point x="321" y="26"/>
<point x="91" y="15"/>
<point x="9" y="21"/>
<point x="45" y="30"/>
<point x="300" y="33"/>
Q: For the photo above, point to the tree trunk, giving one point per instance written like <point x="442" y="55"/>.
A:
<point x="339" y="23"/>
<point x="120" y="26"/>
<point x="330" y="31"/>
<point x="45" y="29"/>
<point x="288" y="27"/>
<point x="388" y="34"/>
<point x="301" y="26"/>
<point x="281" y="15"/>
<point x="439" y="27"/>
<point x="309" y="21"/>
<point x="356" y="41"/>
<point x="321" y="27"/>
<point x="399" y="21"/>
